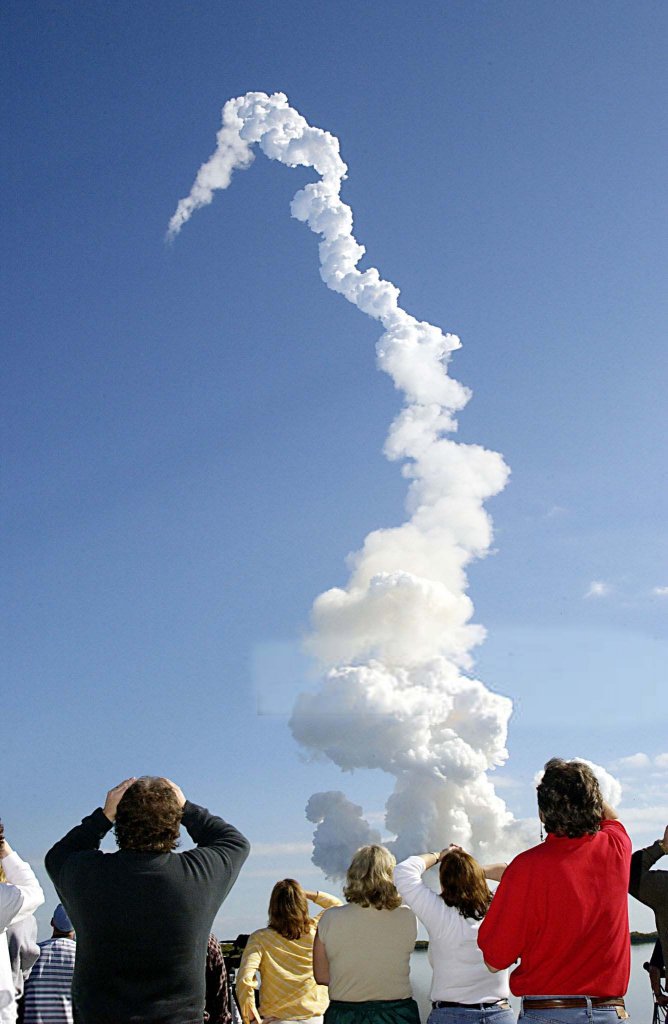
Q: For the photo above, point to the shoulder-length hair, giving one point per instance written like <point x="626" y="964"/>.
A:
<point x="369" y="881"/>
<point x="463" y="884"/>
<point x="288" y="909"/>
<point x="569" y="799"/>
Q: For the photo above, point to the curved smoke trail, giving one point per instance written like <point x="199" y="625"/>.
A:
<point x="395" y="644"/>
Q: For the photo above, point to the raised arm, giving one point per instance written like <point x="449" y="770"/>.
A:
<point x="649" y="887"/>
<point x="609" y="813"/>
<point x="494" y="872"/>
<point x="86" y="836"/>
<point x="429" y="907"/>
<point x="221" y="848"/>
<point x="322" y="899"/>
<point x="23" y="894"/>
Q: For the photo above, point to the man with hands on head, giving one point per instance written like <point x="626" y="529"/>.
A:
<point x="143" y="914"/>
<point x="651" y="888"/>
<point x="18" y="899"/>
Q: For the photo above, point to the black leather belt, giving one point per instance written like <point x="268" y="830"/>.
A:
<point x="502" y="1004"/>
<point x="570" y="1002"/>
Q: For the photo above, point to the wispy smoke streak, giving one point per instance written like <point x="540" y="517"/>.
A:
<point x="395" y="644"/>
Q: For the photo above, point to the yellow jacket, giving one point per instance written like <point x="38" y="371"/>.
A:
<point x="289" y="990"/>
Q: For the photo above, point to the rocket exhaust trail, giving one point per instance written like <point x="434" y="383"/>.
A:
<point x="395" y="644"/>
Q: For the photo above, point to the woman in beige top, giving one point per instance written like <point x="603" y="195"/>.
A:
<point x="362" y="950"/>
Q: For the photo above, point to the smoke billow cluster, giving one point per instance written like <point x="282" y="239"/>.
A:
<point x="395" y="644"/>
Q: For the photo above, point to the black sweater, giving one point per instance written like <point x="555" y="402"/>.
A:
<point x="143" y="919"/>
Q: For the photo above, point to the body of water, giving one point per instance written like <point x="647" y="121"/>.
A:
<point x="639" y="1001"/>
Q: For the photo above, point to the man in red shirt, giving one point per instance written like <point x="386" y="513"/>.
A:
<point x="561" y="908"/>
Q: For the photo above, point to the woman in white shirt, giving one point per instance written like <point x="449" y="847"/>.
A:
<point x="20" y="894"/>
<point x="463" y="990"/>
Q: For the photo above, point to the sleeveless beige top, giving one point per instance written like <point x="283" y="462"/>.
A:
<point x="368" y="951"/>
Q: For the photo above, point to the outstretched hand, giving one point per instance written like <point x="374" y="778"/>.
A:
<point x="113" y="798"/>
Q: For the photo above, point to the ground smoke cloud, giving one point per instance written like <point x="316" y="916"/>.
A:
<point x="395" y="644"/>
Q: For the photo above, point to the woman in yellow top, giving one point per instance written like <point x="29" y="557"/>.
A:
<point x="282" y="954"/>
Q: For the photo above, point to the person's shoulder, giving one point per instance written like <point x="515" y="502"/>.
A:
<point x="332" y="915"/>
<point x="613" y="825"/>
<point x="527" y="861"/>
<point x="332" y="911"/>
<point x="406" y="918"/>
<point x="85" y="860"/>
<point x="613" y="830"/>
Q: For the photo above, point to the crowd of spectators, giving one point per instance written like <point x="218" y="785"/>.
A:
<point x="132" y="943"/>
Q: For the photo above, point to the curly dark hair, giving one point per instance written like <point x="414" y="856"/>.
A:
<point x="463" y="884"/>
<point x="288" y="910"/>
<point x="148" y="817"/>
<point x="569" y="799"/>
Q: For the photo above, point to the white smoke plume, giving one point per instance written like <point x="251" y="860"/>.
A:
<point x="394" y="644"/>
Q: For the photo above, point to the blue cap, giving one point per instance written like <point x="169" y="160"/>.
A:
<point x="60" y="920"/>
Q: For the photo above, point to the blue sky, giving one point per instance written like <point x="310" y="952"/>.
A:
<point x="193" y="432"/>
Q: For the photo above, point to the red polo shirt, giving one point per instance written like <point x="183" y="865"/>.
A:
<point x="562" y="908"/>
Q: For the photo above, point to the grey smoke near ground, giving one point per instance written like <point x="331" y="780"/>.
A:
<point x="395" y="644"/>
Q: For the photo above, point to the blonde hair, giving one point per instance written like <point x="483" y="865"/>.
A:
<point x="3" y="876"/>
<point x="369" y="880"/>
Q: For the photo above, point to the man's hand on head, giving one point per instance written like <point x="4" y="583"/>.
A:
<point x="114" y="796"/>
<point x="5" y="849"/>
<point x="664" y="841"/>
<point x="178" y="791"/>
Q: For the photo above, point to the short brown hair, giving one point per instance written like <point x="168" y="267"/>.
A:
<point x="463" y="884"/>
<point x="369" y="880"/>
<point x="569" y="799"/>
<point x="148" y="817"/>
<point x="288" y="909"/>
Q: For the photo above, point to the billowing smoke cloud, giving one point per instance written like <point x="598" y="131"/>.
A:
<point x="395" y="644"/>
<point x="340" y="831"/>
